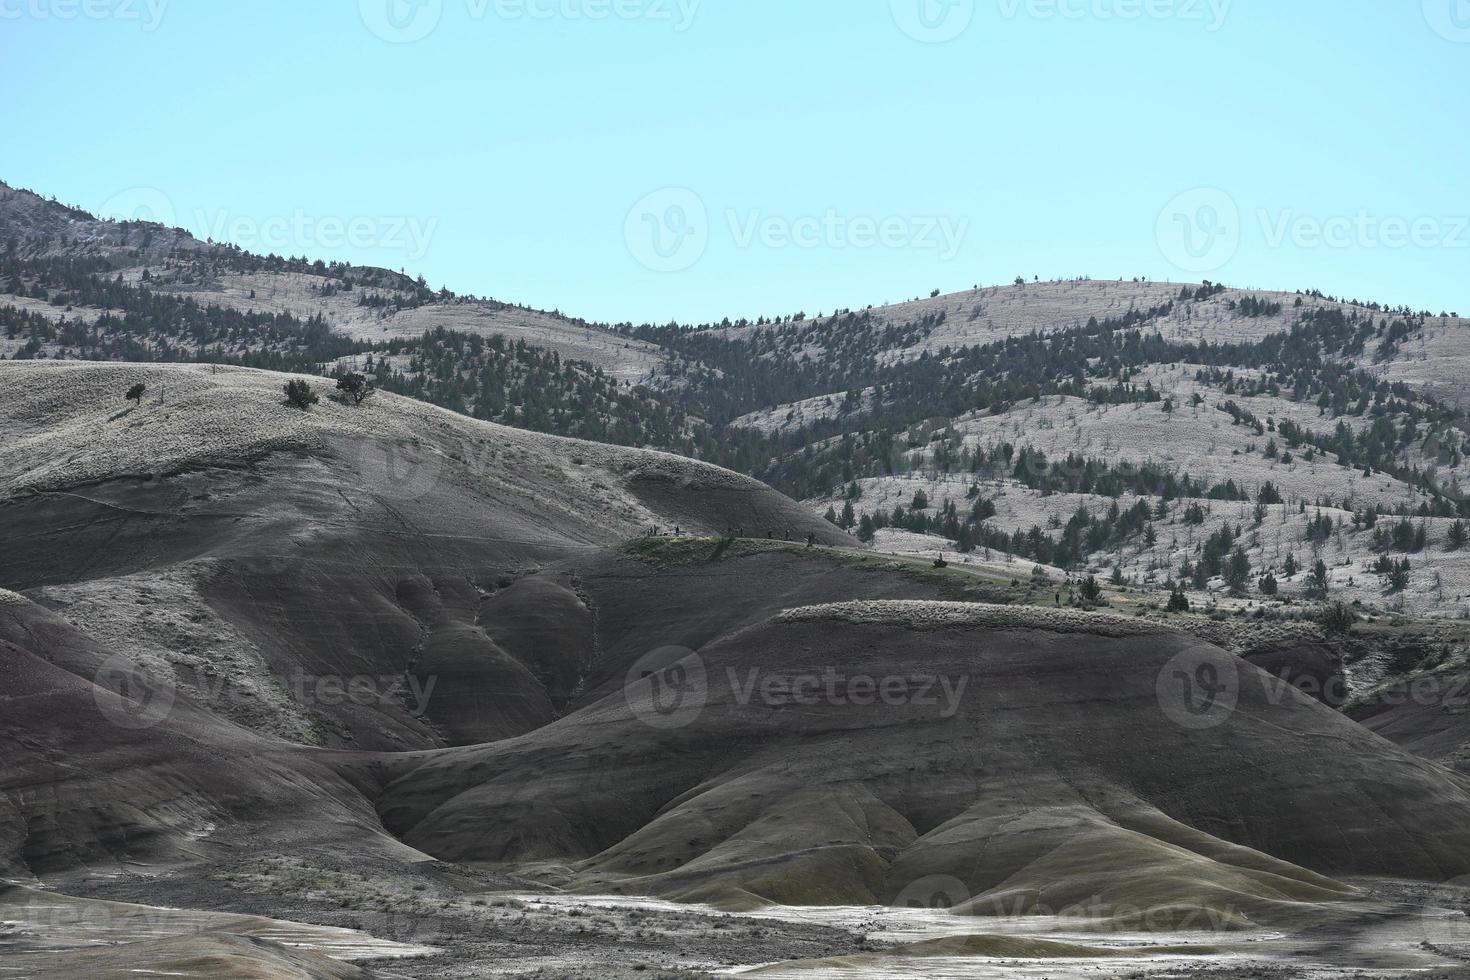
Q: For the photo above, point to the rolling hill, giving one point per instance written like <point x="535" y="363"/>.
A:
<point x="371" y="666"/>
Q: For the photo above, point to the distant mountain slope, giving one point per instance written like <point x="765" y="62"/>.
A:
<point x="991" y="313"/>
<point x="47" y="227"/>
<point x="365" y="303"/>
<point x="1027" y="412"/>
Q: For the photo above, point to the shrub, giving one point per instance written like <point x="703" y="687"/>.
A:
<point x="1337" y="618"/>
<point x="355" y="387"/>
<point x="299" y="394"/>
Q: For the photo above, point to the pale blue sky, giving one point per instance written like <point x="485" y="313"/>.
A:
<point x="693" y="159"/>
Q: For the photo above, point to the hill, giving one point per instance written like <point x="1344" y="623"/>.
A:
<point x="363" y="665"/>
<point x="1039" y="788"/>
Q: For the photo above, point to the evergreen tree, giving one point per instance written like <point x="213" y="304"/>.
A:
<point x="1318" y="582"/>
<point x="1238" y="573"/>
<point x="1457" y="536"/>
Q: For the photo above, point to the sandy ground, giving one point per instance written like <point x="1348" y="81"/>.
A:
<point x="440" y="926"/>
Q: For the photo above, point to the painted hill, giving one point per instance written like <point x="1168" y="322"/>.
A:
<point x="239" y="640"/>
<point x="1038" y="769"/>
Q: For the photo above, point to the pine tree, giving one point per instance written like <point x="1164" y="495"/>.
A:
<point x="1458" y="536"/>
<point x="1398" y="579"/>
<point x="1318" y="582"/>
<point x="1238" y="573"/>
